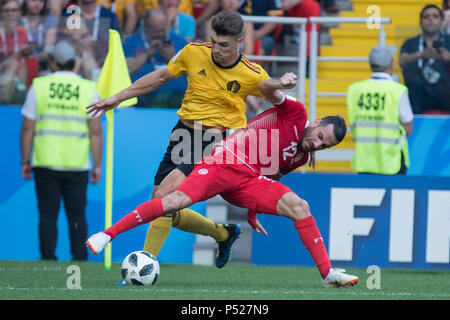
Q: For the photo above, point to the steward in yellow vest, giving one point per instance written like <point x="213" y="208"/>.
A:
<point x="56" y="138"/>
<point x="380" y="117"/>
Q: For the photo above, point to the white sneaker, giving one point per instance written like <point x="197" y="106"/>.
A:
<point x="337" y="278"/>
<point x="97" y="242"/>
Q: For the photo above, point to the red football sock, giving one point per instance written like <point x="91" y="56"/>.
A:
<point x="145" y="212"/>
<point x="313" y="242"/>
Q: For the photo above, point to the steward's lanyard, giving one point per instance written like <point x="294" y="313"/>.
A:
<point x="40" y="39"/>
<point x="5" y="46"/>
<point x="421" y="47"/>
<point x="96" y="23"/>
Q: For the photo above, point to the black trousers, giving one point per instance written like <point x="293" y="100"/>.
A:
<point x="71" y="186"/>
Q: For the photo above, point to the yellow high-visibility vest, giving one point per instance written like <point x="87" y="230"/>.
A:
<point x="61" y="138"/>
<point x="379" y="137"/>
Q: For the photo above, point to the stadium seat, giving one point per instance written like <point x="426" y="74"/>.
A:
<point x="356" y="40"/>
<point x="258" y="50"/>
<point x="33" y="69"/>
<point x="198" y="9"/>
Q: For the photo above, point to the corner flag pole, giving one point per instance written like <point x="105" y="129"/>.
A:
<point x="109" y="182"/>
<point x="114" y="77"/>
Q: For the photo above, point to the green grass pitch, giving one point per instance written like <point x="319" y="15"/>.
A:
<point x="39" y="280"/>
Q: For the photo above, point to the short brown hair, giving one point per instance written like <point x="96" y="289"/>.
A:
<point x="45" y="10"/>
<point x="228" y="23"/>
<point x="445" y="5"/>
<point x="5" y="2"/>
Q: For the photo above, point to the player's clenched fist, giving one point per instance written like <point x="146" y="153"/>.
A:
<point x="288" y="80"/>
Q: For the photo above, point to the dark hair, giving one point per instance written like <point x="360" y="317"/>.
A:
<point x="5" y="2"/>
<point x="68" y="66"/>
<point x="228" y="23"/>
<point x="43" y="12"/>
<point x="445" y="5"/>
<point x="340" y="128"/>
<point x="154" y="11"/>
<point x="432" y="6"/>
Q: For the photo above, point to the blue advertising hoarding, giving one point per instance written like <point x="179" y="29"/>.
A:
<point x="389" y="221"/>
<point x="392" y="228"/>
<point x="429" y="147"/>
<point x="140" y="140"/>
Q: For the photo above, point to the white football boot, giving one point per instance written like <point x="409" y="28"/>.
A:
<point x="337" y="278"/>
<point x="97" y="242"/>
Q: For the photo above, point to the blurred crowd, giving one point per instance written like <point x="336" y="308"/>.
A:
<point x="425" y="62"/>
<point x="152" y="31"/>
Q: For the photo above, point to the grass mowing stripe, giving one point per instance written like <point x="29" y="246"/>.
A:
<point x="328" y="292"/>
<point x="38" y="280"/>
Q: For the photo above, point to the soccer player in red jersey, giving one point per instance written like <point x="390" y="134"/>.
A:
<point x="244" y="168"/>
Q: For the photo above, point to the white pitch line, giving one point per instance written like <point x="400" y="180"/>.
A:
<point x="33" y="269"/>
<point x="326" y="292"/>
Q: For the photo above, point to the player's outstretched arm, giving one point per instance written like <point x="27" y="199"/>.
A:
<point x="144" y="85"/>
<point x="271" y="89"/>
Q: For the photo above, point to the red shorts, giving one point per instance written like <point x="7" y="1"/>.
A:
<point x="236" y="183"/>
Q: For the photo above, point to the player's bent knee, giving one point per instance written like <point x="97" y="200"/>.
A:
<point x="300" y="210"/>
<point x="293" y="207"/>
<point x="169" y="184"/>
<point x="164" y="190"/>
<point x="175" y="201"/>
<point x="159" y="194"/>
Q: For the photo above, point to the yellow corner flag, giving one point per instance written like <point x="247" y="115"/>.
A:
<point x="113" y="78"/>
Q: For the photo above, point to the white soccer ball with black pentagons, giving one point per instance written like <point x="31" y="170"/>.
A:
<point x="140" y="268"/>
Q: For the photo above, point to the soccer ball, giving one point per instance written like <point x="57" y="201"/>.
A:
<point x="140" y="268"/>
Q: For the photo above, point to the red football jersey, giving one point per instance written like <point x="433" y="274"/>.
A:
<point x="271" y="142"/>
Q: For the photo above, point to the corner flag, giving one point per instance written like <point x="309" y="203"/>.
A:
<point x="114" y="77"/>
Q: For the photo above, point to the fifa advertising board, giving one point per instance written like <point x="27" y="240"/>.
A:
<point x="388" y="221"/>
<point x="365" y="220"/>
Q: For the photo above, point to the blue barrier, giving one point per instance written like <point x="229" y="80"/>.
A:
<point x="389" y="221"/>
<point x="429" y="146"/>
<point x="140" y="140"/>
<point x="141" y="136"/>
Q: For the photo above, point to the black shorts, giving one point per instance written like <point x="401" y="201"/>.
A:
<point x="186" y="147"/>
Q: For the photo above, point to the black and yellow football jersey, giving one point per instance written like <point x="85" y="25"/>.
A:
<point x="215" y="95"/>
